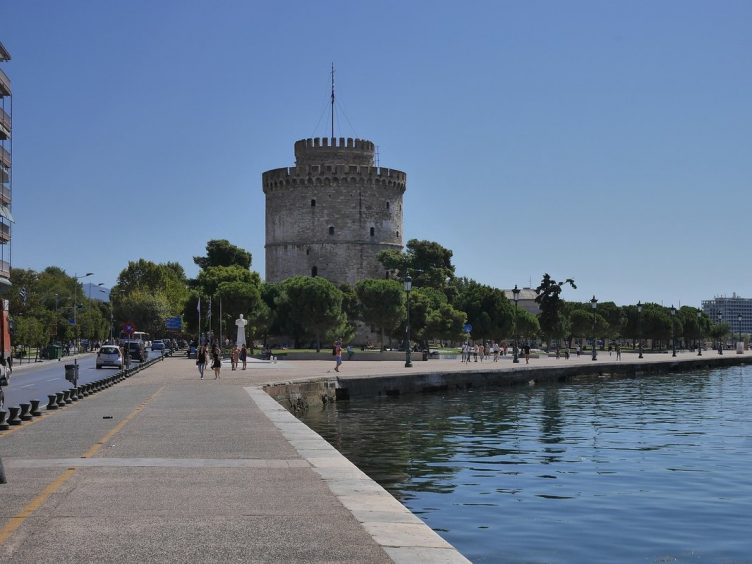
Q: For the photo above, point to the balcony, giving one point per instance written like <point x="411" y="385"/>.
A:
<point x="4" y="84"/>
<point x="5" y="159"/>
<point x="5" y="124"/>
<point x="4" y="232"/>
<point x="4" y="269"/>
<point x="5" y="196"/>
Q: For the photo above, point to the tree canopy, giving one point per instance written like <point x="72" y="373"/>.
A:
<point x="220" y="252"/>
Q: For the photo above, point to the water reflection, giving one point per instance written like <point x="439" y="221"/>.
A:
<point x="658" y="466"/>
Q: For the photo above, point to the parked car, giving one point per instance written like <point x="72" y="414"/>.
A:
<point x="109" y="355"/>
<point x="157" y="345"/>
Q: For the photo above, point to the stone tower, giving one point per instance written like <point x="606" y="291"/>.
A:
<point x="332" y="213"/>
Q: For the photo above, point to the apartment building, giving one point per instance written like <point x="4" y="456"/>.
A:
<point x="735" y="311"/>
<point x="6" y="175"/>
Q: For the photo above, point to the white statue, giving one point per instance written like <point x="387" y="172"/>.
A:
<point x="240" y="323"/>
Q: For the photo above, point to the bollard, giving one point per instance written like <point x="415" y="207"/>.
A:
<point x="66" y="397"/>
<point x="73" y="394"/>
<point x="25" y="414"/>
<point x="52" y="402"/>
<point x="13" y="418"/>
<point x="60" y="399"/>
<point x="3" y="422"/>
<point x="83" y="390"/>
<point x="35" y="408"/>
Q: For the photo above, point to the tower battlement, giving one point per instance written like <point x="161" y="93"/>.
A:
<point x="334" y="151"/>
<point x="333" y="175"/>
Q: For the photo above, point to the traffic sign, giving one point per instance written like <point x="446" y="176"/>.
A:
<point x="468" y="328"/>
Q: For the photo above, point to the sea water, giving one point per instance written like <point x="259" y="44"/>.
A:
<point x="651" y="469"/>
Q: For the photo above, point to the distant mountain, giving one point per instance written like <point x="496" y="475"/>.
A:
<point x="99" y="293"/>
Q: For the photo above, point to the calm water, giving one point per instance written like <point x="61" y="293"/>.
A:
<point x="617" y="470"/>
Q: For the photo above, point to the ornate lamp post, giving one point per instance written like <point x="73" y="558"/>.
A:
<point x="699" y="332"/>
<point x="594" y="304"/>
<point x="516" y="294"/>
<point x="739" y="319"/>
<point x="720" y="339"/>
<point x="408" y="287"/>
<point x="639" y="326"/>
<point x="673" y="336"/>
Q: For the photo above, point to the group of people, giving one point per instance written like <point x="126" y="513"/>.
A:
<point x="204" y="354"/>
<point x="482" y="351"/>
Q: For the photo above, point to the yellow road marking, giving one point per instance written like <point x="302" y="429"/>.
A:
<point x="19" y="518"/>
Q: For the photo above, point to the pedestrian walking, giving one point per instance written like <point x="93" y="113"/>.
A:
<point x="337" y="351"/>
<point x="216" y="361"/>
<point x="201" y="360"/>
<point x="527" y="354"/>
<point x="243" y="355"/>
<point x="234" y="357"/>
<point x="618" y="351"/>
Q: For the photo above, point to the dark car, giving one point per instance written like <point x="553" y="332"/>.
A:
<point x="136" y="350"/>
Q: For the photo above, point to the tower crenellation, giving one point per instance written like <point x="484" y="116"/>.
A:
<point x="332" y="213"/>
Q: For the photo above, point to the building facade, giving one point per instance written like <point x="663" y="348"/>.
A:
<point x="6" y="176"/>
<point x="332" y="213"/>
<point x="730" y="309"/>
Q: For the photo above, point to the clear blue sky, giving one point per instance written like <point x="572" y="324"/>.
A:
<point x="605" y="141"/>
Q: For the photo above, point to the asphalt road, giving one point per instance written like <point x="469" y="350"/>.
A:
<point x="37" y="382"/>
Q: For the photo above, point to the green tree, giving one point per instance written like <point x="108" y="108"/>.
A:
<point x="145" y="310"/>
<point x="428" y="263"/>
<point x="220" y="252"/>
<point x="487" y="309"/>
<point x="316" y="305"/>
<point x="549" y="299"/>
<point x="167" y="280"/>
<point x="528" y="326"/>
<point x="381" y="304"/>
<point x="209" y="279"/>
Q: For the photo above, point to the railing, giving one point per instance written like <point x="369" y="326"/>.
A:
<point x="4" y="84"/>
<point x="5" y="120"/>
<point x="4" y="232"/>
<point x="5" y="195"/>
<point x="5" y="158"/>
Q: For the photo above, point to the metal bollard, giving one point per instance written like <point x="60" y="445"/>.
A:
<point x="13" y="417"/>
<point x="25" y="414"/>
<point x="83" y="390"/>
<point x="3" y="421"/>
<point x="73" y="394"/>
<point x="60" y="399"/>
<point x="52" y="401"/>
<point x="66" y="397"/>
<point x="35" y="411"/>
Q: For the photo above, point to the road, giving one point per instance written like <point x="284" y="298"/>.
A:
<point x="36" y="382"/>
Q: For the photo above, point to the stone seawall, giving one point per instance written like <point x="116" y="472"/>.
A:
<point x="296" y="396"/>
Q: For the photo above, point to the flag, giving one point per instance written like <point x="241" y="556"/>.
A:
<point x="208" y="313"/>
<point x="198" y="305"/>
<point x="22" y="294"/>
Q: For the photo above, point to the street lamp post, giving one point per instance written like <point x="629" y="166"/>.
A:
<point x="594" y="304"/>
<point x="639" y="327"/>
<point x="699" y="332"/>
<point x="673" y="336"/>
<point x="75" y="305"/>
<point x="739" y="319"/>
<point x="516" y="294"/>
<point x="720" y="338"/>
<point x="408" y="287"/>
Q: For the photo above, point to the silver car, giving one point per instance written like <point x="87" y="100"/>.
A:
<point x="109" y="355"/>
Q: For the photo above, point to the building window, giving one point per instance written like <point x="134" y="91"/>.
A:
<point x="308" y="251"/>
<point x="387" y="205"/>
<point x="315" y="271"/>
<point x="313" y="203"/>
<point x="331" y="230"/>
<point x="397" y="234"/>
<point x="373" y="232"/>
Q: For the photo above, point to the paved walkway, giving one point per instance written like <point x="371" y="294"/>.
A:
<point x="166" y="467"/>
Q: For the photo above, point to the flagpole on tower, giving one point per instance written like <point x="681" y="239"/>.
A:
<point x="332" y="100"/>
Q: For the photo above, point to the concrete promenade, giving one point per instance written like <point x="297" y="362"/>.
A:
<point x="164" y="466"/>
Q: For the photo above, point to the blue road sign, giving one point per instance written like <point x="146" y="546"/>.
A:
<point x="468" y="328"/>
<point x="173" y="323"/>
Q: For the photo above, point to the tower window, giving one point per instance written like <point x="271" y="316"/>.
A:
<point x="315" y="271"/>
<point x="331" y="230"/>
<point x="313" y="203"/>
<point x="308" y="251"/>
<point x="397" y="233"/>
<point x="387" y="205"/>
<point x="373" y="231"/>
